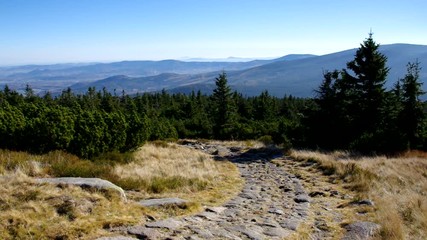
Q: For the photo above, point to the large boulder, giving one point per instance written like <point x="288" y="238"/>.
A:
<point x="85" y="182"/>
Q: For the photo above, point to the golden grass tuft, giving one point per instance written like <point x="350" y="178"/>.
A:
<point x="398" y="186"/>
<point x="169" y="168"/>
<point x="44" y="211"/>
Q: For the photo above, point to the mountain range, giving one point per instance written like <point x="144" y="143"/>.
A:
<point x="297" y="74"/>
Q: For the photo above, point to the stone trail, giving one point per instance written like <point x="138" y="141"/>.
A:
<point x="271" y="205"/>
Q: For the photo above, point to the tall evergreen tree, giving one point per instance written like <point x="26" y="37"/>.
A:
<point x="412" y="115"/>
<point x="224" y="110"/>
<point x="370" y="73"/>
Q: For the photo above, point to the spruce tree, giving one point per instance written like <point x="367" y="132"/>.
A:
<point x="370" y="73"/>
<point x="412" y="115"/>
<point x="224" y="109"/>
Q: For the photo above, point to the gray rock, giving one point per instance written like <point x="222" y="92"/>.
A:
<point x="277" y="232"/>
<point x="360" y="230"/>
<point x="85" y="182"/>
<point x="142" y="232"/>
<point x="203" y="233"/>
<point x="170" y="224"/>
<point x="162" y="202"/>
<point x="250" y="232"/>
<point x="276" y="211"/>
<point x="302" y="198"/>
<point x="291" y="224"/>
<point x="216" y="209"/>
<point x="367" y="202"/>
<point x="224" y="234"/>
<point x="317" y="193"/>
<point x="221" y="151"/>
<point x="116" y="238"/>
<point x="208" y="215"/>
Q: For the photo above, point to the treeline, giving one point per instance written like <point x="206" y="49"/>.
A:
<point x="98" y="121"/>
<point x="352" y="110"/>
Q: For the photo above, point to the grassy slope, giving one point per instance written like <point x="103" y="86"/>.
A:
<point x="398" y="187"/>
<point x="42" y="211"/>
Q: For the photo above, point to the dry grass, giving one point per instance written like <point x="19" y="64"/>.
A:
<point x="172" y="161"/>
<point x="398" y="186"/>
<point x="174" y="170"/>
<point x="34" y="211"/>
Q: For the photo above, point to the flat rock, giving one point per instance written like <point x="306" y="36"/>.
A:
<point x="162" y="202"/>
<point x="117" y="238"/>
<point x="302" y="198"/>
<point x="360" y="230"/>
<point x="85" y="182"/>
<point x="291" y="224"/>
<point x="142" y="232"/>
<point x="250" y="232"/>
<point x="170" y="224"/>
<point x="277" y="232"/>
<point x="208" y="215"/>
<point x="216" y="209"/>
<point x="366" y="202"/>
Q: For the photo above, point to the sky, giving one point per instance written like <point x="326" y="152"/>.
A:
<point x="74" y="31"/>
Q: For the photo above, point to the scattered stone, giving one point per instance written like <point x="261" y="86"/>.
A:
<point x="216" y="209"/>
<point x="321" y="224"/>
<point x="367" y="202"/>
<point x="162" y="202"/>
<point x="116" y="238"/>
<point x="269" y="195"/>
<point x="291" y="224"/>
<point x="250" y="233"/>
<point x="333" y="193"/>
<point x="85" y="183"/>
<point x="360" y="230"/>
<point x="317" y="193"/>
<point x="276" y="211"/>
<point x="203" y="233"/>
<point x="170" y="224"/>
<point x="277" y="232"/>
<point x="301" y="198"/>
<point x="142" y="232"/>
<point x="208" y="215"/>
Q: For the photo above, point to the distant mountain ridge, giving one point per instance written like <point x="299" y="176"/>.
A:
<point x="299" y="76"/>
<point x="295" y="74"/>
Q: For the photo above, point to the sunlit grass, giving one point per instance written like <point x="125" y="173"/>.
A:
<point x="398" y="186"/>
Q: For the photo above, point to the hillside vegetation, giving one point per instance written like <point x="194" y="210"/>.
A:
<point x="30" y="210"/>
<point x="396" y="185"/>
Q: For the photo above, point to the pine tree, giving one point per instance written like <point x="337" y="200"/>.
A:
<point x="370" y="73"/>
<point x="412" y="115"/>
<point x="224" y="110"/>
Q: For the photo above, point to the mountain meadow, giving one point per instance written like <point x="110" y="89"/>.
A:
<point x="356" y="120"/>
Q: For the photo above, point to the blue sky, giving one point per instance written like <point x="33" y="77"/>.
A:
<point x="48" y="31"/>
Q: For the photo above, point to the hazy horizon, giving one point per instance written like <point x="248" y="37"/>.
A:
<point x="51" y="32"/>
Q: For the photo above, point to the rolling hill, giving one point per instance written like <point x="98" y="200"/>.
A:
<point x="298" y="76"/>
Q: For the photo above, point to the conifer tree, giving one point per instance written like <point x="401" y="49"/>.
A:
<point x="412" y="115"/>
<point x="370" y="73"/>
<point x="224" y="109"/>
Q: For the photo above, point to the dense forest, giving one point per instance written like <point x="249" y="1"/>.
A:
<point x="352" y="110"/>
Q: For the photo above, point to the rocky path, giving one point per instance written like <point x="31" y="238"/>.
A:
<point x="272" y="205"/>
